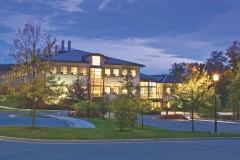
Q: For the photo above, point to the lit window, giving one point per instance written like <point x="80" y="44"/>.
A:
<point x="116" y="72"/>
<point x="116" y="89"/>
<point x="54" y="70"/>
<point x="74" y="70"/>
<point x="133" y="73"/>
<point x="152" y="83"/>
<point x="64" y="70"/>
<point x="124" y="90"/>
<point x="84" y="71"/>
<point x="124" y="72"/>
<point x="168" y="90"/>
<point x="107" y="90"/>
<point x="96" y="60"/>
<point x="107" y="72"/>
<point x="143" y="83"/>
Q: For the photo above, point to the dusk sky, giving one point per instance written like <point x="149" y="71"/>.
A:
<point x="156" y="33"/>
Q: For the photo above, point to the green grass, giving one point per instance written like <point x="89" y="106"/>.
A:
<point x="105" y="129"/>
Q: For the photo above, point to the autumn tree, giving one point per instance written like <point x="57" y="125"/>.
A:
<point x="194" y="92"/>
<point x="27" y="80"/>
<point x="78" y="90"/>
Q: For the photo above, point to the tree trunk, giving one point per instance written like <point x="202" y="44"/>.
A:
<point x="33" y="113"/>
<point x="192" y="121"/>
<point x="142" y="120"/>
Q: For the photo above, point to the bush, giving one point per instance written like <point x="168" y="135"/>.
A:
<point x="124" y="111"/>
<point x="174" y="116"/>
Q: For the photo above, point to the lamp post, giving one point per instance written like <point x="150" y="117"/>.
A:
<point x="215" y="79"/>
<point x="88" y="86"/>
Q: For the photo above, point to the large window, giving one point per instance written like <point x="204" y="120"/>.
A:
<point x="107" y="72"/>
<point x="53" y="70"/>
<point x="84" y="71"/>
<point x="96" y="60"/>
<point x="96" y="82"/>
<point x="116" y="72"/>
<point x="64" y="70"/>
<point x="74" y="70"/>
<point x="148" y="90"/>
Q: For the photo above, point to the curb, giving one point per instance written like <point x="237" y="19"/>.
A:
<point x="50" y="141"/>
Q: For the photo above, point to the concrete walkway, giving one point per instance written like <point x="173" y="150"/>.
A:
<point x="74" y="122"/>
<point x="62" y="116"/>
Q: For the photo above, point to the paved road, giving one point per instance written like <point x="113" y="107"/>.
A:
<point x="204" y="126"/>
<point x="173" y="150"/>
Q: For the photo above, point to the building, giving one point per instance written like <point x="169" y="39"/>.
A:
<point x="157" y="88"/>
<point x="103" y="73"/>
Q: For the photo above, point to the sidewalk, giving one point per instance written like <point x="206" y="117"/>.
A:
<point x="74" y="122"/>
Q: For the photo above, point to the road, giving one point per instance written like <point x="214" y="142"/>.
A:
<point x="171" y="150"/>
<point x="203" y="126"/>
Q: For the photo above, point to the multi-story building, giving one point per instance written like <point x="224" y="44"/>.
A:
<point x="103" y="73"/>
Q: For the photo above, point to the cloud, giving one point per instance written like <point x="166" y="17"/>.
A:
<point x="130" y="49"/>
<point x="68" y="5"/>
<point x="103" y="4"/>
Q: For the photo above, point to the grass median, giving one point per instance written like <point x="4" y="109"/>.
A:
<point x="105" y="129"/>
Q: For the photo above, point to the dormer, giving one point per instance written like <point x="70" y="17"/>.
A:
<point x="96" y="59"/>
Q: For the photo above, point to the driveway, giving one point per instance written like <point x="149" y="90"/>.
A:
<point x="186" y="125"/>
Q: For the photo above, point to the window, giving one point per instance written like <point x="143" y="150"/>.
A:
<point x="107" y="71"/>
<point x="133" y="72"/>
<point x="64" y="70"/>
<point x="96" y="60"/>
<point x="124" y="90"/>
<point x="116" y="89"/>
<point x="124" y="72"/>
<point x="107" y="90"/>
<point x="54" y="70"/>
<point x="84" y="71"/>
<point x="74" y="70"/>
<point x="116" y="72"/>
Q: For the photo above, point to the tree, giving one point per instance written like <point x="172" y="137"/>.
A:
<point x="194" y="92"/>
<point x="217" y="64"/>
<point x="233" y="54"/>
<point x="127" y="79"/>
<point x="142" y="105"/>
<point x="104" y="105"/>
<point x="78" y="90"/>
<point x="234" y="92"/>
<point x="26" y="79"/>
<point x="124" y="111"/>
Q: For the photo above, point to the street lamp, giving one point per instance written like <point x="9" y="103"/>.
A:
<point x="215" y="79"/>
<point x="88" y="86"/>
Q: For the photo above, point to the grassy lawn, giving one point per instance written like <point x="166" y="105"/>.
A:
<point x="105" y="129"/>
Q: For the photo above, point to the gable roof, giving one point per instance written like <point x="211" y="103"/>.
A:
<point x="80" y="57"/>
<point x="159" y="78"/>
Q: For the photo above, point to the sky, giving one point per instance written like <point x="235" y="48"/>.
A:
<point x="155" y="33"/>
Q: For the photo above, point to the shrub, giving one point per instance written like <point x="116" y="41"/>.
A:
<point x="174" y="116"/>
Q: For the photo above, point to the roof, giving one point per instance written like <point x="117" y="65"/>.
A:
<point x="80" y="56"/>
<point x="159" y="78"/>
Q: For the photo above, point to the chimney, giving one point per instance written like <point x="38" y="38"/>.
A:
<point x="69" y="45"/>
<point x="56" y="49"/>
<point x="62" y="47"/>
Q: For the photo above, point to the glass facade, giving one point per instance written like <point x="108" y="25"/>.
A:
<point x="96" y="82"/>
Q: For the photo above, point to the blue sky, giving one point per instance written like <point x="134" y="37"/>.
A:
<point x="156" y="33"/>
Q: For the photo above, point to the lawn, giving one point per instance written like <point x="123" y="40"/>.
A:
<point x="105" y="129"/>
